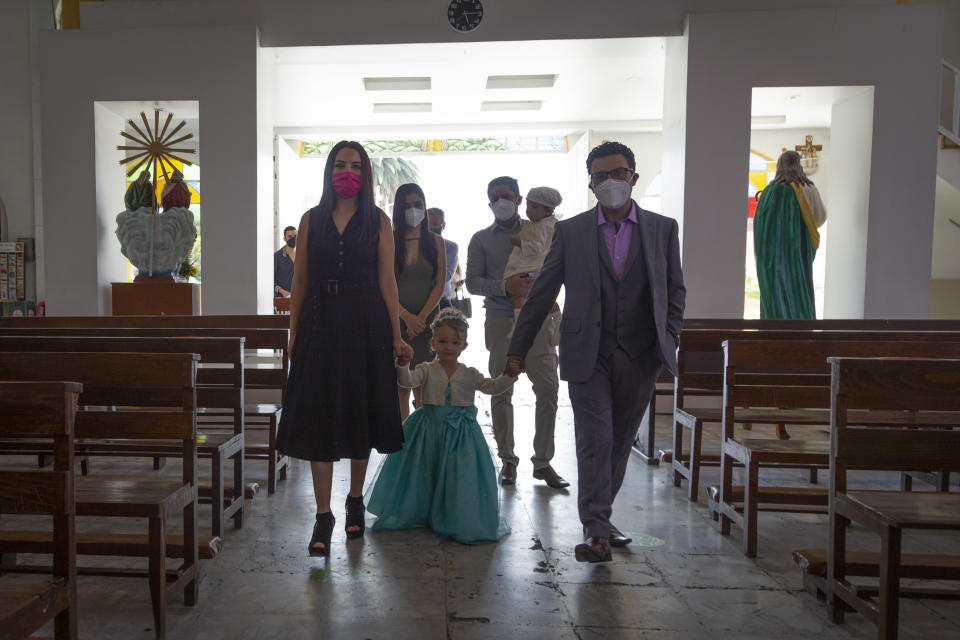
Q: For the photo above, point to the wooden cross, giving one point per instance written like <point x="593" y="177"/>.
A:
<point x="809" y="150"/>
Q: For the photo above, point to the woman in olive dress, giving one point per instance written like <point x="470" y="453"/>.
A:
<point x="421" y="270"/>
<point x="341" y="399"/>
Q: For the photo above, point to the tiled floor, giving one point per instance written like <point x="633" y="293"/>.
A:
<point x="682" y="579"/>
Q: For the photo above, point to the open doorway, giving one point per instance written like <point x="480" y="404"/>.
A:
<point x="831" y="128"/>
<point x="451" y="117"/>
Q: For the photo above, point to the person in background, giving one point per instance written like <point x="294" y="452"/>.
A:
<point x="420" y="265"/>
<point x="283" y="261"/>
<point x="487" y="257"/>
<point x="437" y="221"/>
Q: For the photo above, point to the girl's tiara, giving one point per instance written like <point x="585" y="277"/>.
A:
<point x="449" y="315"/>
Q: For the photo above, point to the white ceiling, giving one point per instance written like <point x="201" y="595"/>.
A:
<point x="798" y="106"/>
<point x="613" y="81"/>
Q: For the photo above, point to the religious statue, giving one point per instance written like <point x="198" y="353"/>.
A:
<point x="140" y="192"/>
<point x="156" y="244"/>
<point x="785" y="241"/>
<point x="175" y="193"/>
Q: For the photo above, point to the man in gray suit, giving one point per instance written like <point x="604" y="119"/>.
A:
<point x="621" y="322"/>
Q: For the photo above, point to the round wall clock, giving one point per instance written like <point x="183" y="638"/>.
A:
<point x="465" y="15"/>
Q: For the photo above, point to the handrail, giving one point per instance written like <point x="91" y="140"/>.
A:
<point x="953" y="131"/>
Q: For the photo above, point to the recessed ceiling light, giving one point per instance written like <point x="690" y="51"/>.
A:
<point x="396" y="84"/>
<point x="511" y="105"/>
<point x="402" y="107"/>
<point x="521" y="82"/>
<point x="758" y="120"/>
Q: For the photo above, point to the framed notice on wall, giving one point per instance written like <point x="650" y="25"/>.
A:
<point x="12" y="272"/>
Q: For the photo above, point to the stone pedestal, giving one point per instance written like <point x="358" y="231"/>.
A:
<point x="156" y="296"/>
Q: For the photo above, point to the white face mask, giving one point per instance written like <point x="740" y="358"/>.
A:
<point x="414" y="216"/>
<point x="504" y="209"/>
<point x="613" y="194"/>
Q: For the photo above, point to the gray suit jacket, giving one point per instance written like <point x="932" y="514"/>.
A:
<point x="574" y="262"/>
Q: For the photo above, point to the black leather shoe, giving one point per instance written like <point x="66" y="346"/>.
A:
<point x="593" y="549"/>
<point x="617" y="539"/>
<point x="508" y="474"/>
<point x="551" y="477"/>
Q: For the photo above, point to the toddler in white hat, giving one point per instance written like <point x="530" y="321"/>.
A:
<point x="530" y="248"/>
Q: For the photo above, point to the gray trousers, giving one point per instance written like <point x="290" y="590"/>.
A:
<point x="607" y="410"/>
<point x="541" y="365"/>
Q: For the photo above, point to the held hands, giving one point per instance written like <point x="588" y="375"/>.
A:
<point x="518" y="285"/>
<point x="403" y="352"/>
<point x="515" y="366"/>
<point x="415" y="324"/>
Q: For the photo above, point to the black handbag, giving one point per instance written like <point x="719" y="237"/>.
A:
<point x="462" y="303"/>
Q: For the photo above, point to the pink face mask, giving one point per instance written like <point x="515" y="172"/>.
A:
<point x="347" y="184"/>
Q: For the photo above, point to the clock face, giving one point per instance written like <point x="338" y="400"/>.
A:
<point x="465" y="15"/>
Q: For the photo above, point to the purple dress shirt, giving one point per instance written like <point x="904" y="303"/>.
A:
<point x="618" y="240"/>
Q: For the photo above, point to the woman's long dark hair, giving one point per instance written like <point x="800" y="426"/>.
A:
<point x="428" y="243"/>
<point x="368" y="211"/>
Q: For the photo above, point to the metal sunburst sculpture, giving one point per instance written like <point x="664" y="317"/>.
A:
<point x="155" y="145"/>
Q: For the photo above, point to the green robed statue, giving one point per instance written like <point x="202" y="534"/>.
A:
<point x="139" y="193"/>
<point x="785" y="241"/>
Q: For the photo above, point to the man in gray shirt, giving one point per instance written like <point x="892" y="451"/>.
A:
<point x="486" y="260"/>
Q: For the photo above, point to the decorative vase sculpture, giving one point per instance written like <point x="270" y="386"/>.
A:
<point x="156" y="243"/>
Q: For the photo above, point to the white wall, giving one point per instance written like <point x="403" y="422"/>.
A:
<point x="674" y="135"/>
<point x="80" y="67"/>
<point x="849" y="206"/>
<point x="16" y="148"/>
<point x="110" y="187"/>
<point x="896" y="49"/>
<point x="265" y="183"/>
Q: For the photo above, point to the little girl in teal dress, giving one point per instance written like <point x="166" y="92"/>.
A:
<point x="444" y="477"/>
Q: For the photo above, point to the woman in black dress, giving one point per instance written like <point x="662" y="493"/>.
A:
<point x="345" y="339"/>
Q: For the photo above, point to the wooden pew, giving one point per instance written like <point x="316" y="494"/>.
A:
<point x="132" y="395"/>
<point x="259" y="417"/>
<point x="700" y="369"/>
<point x="899" y="385"/>
<point x="791" y="377"/>
<point x="151" y="322"/>
<point x="644" y="444"/>
<point x="218" y="388"/>
<point x="41" y="410"/>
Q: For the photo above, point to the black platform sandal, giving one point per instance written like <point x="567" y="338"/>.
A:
<point x="322" y="532"/>
<point x="355" y="511"/>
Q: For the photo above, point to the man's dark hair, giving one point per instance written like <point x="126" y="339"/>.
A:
<point x="607" y="148"/>
<point x="435" y="211"/>
<point x="507" y="180"/>
<point x="288" y="229"/>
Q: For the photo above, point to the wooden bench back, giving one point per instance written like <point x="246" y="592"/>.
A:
<point x="219" y="383"/>
<point x="823" y="325"/>
<point x="154" y="393"/>
<point x="795" y="374"/>
<point x="153" y="322"/>
<point x="255" y="377"/>
<point x="46" y="410"/>
<point x="902" y="384"/>
<point x="700" y="358"/>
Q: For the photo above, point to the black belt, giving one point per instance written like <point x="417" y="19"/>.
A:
<point x="341" y="287"/>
